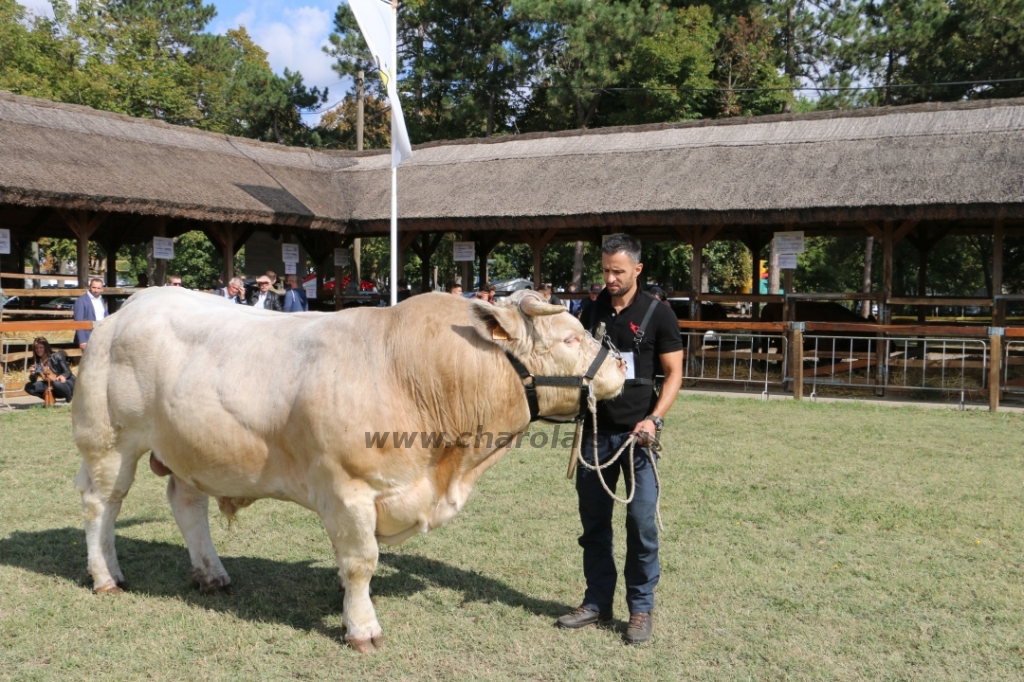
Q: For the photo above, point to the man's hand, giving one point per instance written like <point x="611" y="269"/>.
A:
<point x="645" y="431"/>
<point x="60" y="379"/>
<point x="82" y="346"/>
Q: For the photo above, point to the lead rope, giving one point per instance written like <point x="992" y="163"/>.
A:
<point x="577" y="457"/>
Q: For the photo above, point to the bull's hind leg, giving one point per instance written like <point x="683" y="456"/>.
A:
<point x="104" y="481"/>
<point x="351" y="523"/>
<point x="191" y="511"/>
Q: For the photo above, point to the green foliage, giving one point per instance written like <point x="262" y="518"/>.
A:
<point x="149" y="58"/>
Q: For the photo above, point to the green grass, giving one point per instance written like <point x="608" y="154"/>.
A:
<point x="803" y="541"/>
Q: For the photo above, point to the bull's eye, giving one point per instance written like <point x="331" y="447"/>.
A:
<point x="571" y="339"/>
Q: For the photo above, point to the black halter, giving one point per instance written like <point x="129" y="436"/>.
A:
<point x="530" y="382"/>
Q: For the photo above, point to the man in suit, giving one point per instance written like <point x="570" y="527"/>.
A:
<point x="90" y="306"/>
<point x="233" y="292"/>
<point x="263" y="297"/>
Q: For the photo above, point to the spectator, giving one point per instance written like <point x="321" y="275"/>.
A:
<point x="143" y="281"/>
<point x="295" y="298"/>
<point x="455" y="288"/>
<point x="90" y="307"/>
<point x="545" y="291"/>
<point x="263" y="297"/>
<point x="403" y="290"/>
<point x="174" y="280"/>
<point x="273" y="283"/>
<point x="659" y="293"/>
<point x="234" y="291"/>
<point x="595" y="289"/>
<point x="49" y="369"/>
<point x="573" y="304"/>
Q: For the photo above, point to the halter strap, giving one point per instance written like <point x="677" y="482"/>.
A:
<point x="531" y="382"/>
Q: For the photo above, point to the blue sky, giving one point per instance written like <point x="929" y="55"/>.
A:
<point x="292" y="33"/>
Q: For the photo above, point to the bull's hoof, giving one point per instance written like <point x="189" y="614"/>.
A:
<point x="107" y="589"/>
<point x="218" y="586"/>
<point x="366" y="645"/>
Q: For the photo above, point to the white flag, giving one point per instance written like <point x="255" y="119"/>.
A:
<point x="377" y="24"/>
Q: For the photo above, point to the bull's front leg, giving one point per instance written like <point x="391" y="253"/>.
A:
<point x="350" y="517"/>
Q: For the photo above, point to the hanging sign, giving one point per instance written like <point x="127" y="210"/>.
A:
<point x="787" y="261"/>
<point x="163" y="248"/>
<point x="310" y="288"/>
<point x="289" y="268"/>
<point x="465" y="251"/>
<point x="341" y="258"/>
<point x="290" y="253"/>
<point x="5" y="242"/>
<point x="789" y="242"/>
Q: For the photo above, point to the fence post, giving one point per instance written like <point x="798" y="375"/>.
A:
<point x="796" y="358"/>
<point x="995" y="354"/>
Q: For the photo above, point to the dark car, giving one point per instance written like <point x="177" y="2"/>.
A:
<point x="61" y="303"/>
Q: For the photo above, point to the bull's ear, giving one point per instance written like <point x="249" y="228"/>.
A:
<point x="500" y="324"/>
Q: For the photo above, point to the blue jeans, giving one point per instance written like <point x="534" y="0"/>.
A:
<point x="642" y="569"/>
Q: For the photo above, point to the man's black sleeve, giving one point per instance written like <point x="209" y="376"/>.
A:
<point x="667" y="338"/>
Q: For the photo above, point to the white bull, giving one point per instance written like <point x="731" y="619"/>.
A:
<point x="244" y="404"/>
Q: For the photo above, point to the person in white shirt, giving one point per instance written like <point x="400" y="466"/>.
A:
<point x="90" y="306"/>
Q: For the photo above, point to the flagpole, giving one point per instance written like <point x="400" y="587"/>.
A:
<point x="395" y="275"/>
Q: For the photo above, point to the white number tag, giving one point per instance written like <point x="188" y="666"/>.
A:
<point x="630" y="365"/>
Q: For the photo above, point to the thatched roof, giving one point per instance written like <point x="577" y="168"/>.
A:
<point x="937" y="161"/>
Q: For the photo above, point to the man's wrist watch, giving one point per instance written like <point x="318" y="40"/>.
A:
<point x="659" y="423"/>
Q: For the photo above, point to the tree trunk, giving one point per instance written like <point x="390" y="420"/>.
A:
<point x="577" y="266"/>
<point x="865" y="306"/>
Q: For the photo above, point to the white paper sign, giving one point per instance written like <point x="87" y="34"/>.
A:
<point x="630" y="364"/>
<point x="290" y="253"/>
<point x="310" y="288"/>
<point x="341" y="258"/>
<point x="5" y="242"/>
<point x="787" y="261"/>
<point x="289" y="268"/>
<point x="163" y="248"/>
<point x="789" y="242"/>
<point x="465" y="251"/>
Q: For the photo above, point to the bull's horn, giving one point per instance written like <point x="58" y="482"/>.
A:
<point x="535" y="306"/>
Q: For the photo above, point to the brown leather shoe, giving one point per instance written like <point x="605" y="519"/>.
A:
<point x="640" y="627"/>
<point x="581" y="617"/>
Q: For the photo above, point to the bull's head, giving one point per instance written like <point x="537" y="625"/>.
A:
<point x="549" y="342"/>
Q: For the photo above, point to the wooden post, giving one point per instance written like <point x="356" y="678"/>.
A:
<point x="339" y="274"/>
<point x="884" y="312"/>
<point x="696" y="263"/>
<point x="110" y="247"/>
<point x="83" y="226"/>
<point x="995" y="354"/>
<point x="998" y="307"/>
<point x="160" y="267"/>
<point x="537" y="240"/>
<point x="796" y="359"/>
<point x="922" y="281"/>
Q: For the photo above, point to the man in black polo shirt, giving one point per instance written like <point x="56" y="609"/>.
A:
<point x="647" y="335"/>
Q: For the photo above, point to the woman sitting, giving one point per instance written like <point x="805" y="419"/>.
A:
<point x="50" y="370"/>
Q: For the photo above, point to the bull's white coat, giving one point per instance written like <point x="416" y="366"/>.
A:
<point x="243" y="404"/>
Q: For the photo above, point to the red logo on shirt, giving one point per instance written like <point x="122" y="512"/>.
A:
<point x="633" y="326"/>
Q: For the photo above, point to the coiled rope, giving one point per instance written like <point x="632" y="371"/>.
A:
<point x="653" y="448"/>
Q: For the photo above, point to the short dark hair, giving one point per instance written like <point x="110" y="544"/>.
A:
<point x="452" y="285"/>
<point x="544" y="287"/>
<point x="624" y="243"/>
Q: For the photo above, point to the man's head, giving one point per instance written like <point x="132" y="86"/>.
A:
<point x="272" y="276"/>
<point x="143" y="280"/>
<point x="620" y="262"/>
<point x="572" y="288"/>
<point x="263" y="284"/>
<point x="174" y="281"/>
<point x="292" y="281"/>
<point x="455" y="288"/>
<point x="545" y="291"/>
<point x="595" y="289"/>
<point x="658" y="293"/>
<point x="95" y="286"/>
<point x="236" y="286"/>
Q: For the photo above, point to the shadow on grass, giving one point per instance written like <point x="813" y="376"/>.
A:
<point x="297" y="593"/>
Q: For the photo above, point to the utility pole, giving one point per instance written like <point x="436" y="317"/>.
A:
<point x="357" y="243"/>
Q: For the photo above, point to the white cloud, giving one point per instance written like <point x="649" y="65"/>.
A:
<point x="292" y="36"/>
<point x="38" y="7"/>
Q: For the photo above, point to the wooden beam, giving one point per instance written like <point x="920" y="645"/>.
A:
<point x="44" y="326"/>
<point x="887" y="252"/>
<point x="998" y="308"/>
<point x="873" y="230"/>
<point x="83" y="224"/>
<point x="903" y="230"/>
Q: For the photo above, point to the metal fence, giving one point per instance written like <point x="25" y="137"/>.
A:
<point x="736" y="358"/>
<point x="1013" y="366"/>
<point x="947" y="366"/>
